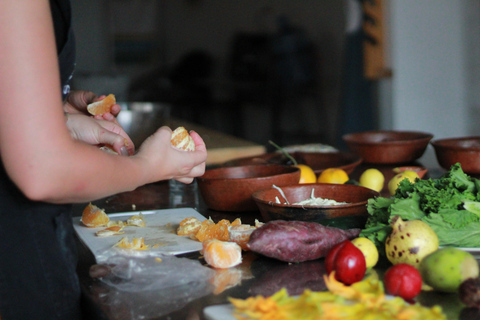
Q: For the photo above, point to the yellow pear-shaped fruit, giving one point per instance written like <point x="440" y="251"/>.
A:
<point x="410" y="241"/>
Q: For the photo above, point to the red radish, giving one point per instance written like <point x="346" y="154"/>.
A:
<point x="403" y="280"/>
<point x="347" y="261"/>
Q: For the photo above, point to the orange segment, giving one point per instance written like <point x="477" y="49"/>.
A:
<point x="93" y="216"/>
<point x="211" y="230"/>
<point x="103" y="106"/>
<point x="221" y="254"/>
<point x="189" y="226"/>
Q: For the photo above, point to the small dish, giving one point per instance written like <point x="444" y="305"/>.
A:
<point x="318" y="161"/>
<point x="388" y="147"/>
<point x="353" y="214"/>
<point x="231" y="188"/>
<point x="463" y="150"/>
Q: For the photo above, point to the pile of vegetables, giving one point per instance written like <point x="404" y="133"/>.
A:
<point x="450" y="205"/>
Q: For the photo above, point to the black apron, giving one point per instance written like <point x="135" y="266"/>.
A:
<point x="37" y="247"/>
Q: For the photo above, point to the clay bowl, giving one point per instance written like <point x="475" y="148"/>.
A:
<point x="464" y="150"/>
<point x="351" y="215"/>
<point x="318" y="161"/>
<point x="388" y="147"/>
<point x="231" y="188"/>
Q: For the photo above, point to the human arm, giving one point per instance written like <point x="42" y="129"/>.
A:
<point x="37" y="151"/>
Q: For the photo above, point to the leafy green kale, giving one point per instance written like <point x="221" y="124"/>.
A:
<point x="438" y="202"/>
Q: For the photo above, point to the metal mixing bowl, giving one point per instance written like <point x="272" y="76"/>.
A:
<point x="141" y="119"/>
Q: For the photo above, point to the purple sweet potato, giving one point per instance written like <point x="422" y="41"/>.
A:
<point x="297" y="241"/>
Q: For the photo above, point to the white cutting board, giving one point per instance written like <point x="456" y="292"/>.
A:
<point x="160" y="230"/>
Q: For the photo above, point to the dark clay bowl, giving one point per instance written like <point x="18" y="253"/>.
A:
<point x="231" y="188"/>
<point x="351" y="215"/>
<point x="388" y="147"/>
<point x="465" y="150"/>
<point x="318" y="161"/>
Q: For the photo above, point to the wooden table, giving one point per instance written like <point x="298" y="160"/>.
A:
<point x="258" y="275"/>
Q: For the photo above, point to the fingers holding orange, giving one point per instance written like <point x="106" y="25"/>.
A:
<point x="102" y="106"/>
<point x="181" y="139"/>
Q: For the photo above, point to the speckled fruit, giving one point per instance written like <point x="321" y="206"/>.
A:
<point x="410" y="241"/>
<point x="445" y="269"/>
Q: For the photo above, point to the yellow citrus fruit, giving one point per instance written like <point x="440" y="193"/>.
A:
<point x="368" y="249"/>
<point x="307" y="175"/>
<point x="407" y="174"/>
<point x="373" y="179"/>
<point x="333" y="175"/>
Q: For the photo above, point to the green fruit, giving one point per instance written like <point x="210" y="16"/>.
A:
<point x="445" y="269"/>
<point x="410" y="241"/>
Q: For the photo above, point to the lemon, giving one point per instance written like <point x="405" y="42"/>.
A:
<point x="307" y="175"/>
<point x="333" y="175"/>
<point x="368" y="249"/>
<point x="373" y="179"/>
<point x="407" y="174"/>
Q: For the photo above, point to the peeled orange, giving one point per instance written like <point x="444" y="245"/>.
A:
<point x="211" y="230"/>
<point x="93" y="216"/>
<point x="333" y="175"/>
<point x="222" y="254"/>
<point x="307" y="175"/>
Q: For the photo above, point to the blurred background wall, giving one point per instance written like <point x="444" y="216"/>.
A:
<point x="433" y="53"/>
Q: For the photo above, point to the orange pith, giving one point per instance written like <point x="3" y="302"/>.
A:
<point x="221" y="254"/>
<point x="93" y="216"/>
<point x="240" y="234"/>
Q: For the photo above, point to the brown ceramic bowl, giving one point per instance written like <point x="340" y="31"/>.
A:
<point x="231" y="188"/>
<point x="464" y="150"/>
<point x="318" y="161"/>
<point x="351" y="215"/>
<point x="388" y="147"/>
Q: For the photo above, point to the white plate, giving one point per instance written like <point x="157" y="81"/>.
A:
<point x="161" y="226"/>
<point x="219" y="312"/>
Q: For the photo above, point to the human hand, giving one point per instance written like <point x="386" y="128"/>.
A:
<point x="78" y="100"/>
<point x="98" y="131"/>
<point x="163" y="161"/>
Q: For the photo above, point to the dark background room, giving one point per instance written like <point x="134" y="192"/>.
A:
<point x="288" y="71"/>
